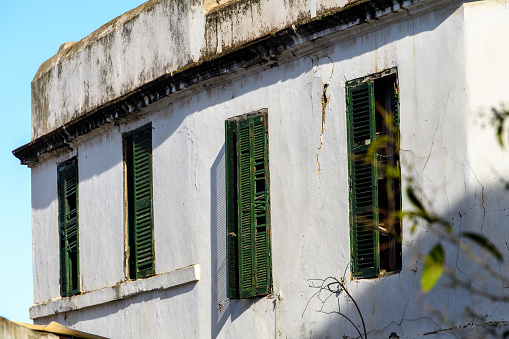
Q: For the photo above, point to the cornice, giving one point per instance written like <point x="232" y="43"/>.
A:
<point x="261" y="51"/>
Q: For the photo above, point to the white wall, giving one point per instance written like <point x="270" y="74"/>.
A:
<point x="443" y="63"/>
<point x="158" y="37"/>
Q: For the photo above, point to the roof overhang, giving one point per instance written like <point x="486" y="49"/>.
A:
<point x="262" y="51"/>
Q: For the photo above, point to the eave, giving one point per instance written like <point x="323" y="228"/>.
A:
<point x="262" y="50"/>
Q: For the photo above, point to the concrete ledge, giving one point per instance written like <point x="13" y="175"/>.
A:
<point x="118" y="292"/>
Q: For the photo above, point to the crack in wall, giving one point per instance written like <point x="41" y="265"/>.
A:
<point x="457" y="247"/>
<point x="324" y="100"/>
<point x="400" y="324"/>
<point x="431" y="149"/>
<point x="408" y="299"/>
<point x="323" y="104"/>
<point x="194" y="146"/>
<point x="479" y="205"/>
<point x="482" y="198"/>
<point x="484" y="212"/>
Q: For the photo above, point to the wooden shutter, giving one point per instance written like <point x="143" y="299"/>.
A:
<point x="139" y="168"/>
<point x="363" y="181"/>
<point x="245" y="184"/>
<point x="260" y="169"/>
<point x="231" y="209"/>
<point x="395" y="106"/>
<point x="247" y="163"/>
<point x="68" y="227"/>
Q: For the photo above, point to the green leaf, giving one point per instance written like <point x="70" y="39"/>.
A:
<point x="413" y="227"/>
<point x="413" y="199"/>
<point x="483" y="242"/>
<point x="380" y="142"/>
<point x="500" y="130"/>
<point x="433" y="268"/>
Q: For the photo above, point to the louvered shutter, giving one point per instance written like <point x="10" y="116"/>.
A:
<point x="142" y="196"/>
<point x="247" y="163"/>
<point x="260" y="171"/>
<point x="363" y="181"/>
<point x="68" y="227"/>
<point x="395" y="107"/>
<point x="245" y="177"/>
<point x="61" y="219"/>
<point x="231" y="209"/>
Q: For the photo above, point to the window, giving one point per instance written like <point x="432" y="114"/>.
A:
<point x="247" y="206"/>
<point x="373" y="146"/>
<point x="68" y="227"/>
<point x="140" y="225"/>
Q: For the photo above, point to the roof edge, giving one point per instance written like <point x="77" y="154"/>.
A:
<point x="70" y="48"/>
<point x="259" y="51"/>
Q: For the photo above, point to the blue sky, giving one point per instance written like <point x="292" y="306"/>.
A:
<point x="30" y="33"/>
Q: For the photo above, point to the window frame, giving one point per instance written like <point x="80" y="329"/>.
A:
<point x="249" y="271"/>
<point x="136" y="269"/>
<point x="369" y="200"/>
<point x="68" y="221"/>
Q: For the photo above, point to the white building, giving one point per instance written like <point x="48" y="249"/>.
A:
<point x="129" y="155"/>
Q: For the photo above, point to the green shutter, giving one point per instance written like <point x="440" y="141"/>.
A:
<point x="61" y="222"/>
<point x="248" y="219"/>
<point x="231" y="210"/>
<point x="261" y="205"/>
<point x="68" y="227"/>
<point x="245" y="177"/>
<point x="139" y="168"/>
<point x="363" y="181"/>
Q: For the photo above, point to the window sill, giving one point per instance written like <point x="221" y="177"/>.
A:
<point x="381" y="275"/>
<point x="118" y="292"/>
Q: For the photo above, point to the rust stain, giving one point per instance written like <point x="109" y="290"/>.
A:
<point x="324" y="102"/>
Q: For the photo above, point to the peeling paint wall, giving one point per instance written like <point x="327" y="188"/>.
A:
<point x="209" y="5"/>
<point x="447" y="73"/>
<point x="86" y="74"/>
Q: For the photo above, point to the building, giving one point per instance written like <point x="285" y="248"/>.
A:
<point x="192" y="170"/>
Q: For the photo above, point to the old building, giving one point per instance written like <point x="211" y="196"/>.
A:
<point x="193" y="171"/>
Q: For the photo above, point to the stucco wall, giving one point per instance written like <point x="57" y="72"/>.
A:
<point x="159" y="37"/>
<point x="443" y="63"/>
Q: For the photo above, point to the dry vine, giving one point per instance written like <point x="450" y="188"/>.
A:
<point x="332" y="286"/>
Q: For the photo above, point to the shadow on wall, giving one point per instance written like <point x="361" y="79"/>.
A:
<point x="391" y="304"/>
<point x="220" y="304"/>
<point x="112" y="319"/>
<point x="222" y="307"/>
<point x="405" y="283"/>
<point x="183" y="110"/>
<point x="395" y="304"/>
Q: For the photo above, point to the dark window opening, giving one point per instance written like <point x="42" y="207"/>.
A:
<point x="71" y="203"/>
<point x="375" y="197"/>
<point x="389" y="200"/>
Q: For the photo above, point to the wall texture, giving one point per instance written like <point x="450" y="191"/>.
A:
<point x="158" y="37"/>
<point x="451" y="67"/>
